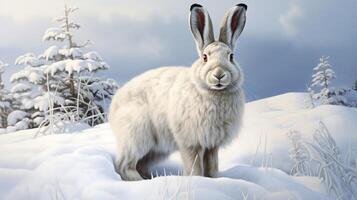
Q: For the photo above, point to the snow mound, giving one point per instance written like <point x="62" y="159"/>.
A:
<point x="288" y="101"/>
<point x="267" y="122"/>
<point x="254" y="166"/>
<point x="80" y="166"/>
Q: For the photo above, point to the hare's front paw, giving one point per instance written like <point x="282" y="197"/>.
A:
<point x="210" y="162"/>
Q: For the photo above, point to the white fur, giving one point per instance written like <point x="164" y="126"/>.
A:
<point x="178" y="108"/>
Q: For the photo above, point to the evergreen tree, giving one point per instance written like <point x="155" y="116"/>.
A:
<point x="64" y="82"/>
<point x="5" y="99"/>
<point x="321" y="85"/>
<point x="352" y="95"/>
<point x="354" y="87"/>
<point x="323" y="76"/>
<point x="25" y="89"/>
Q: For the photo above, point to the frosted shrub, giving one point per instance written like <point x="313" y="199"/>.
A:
<point x="299" y="154"/>
<point x="339" y="177"/>
<point x="323" y="158"/>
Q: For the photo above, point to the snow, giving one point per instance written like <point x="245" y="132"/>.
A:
<point x="22" y="125"/>
<point x="15" y="116"/>
<point x="27" y="102"/>
<point x="72" y="52"/>
<point x="4" y="104"/>
<point x="38" y="120"/>
<point x="34" y="75"/>
<point x="77" y="65"/>
<point x="43" y="102"/>
<point x="28" y="59"/>
<point x="80" y="165"/>
<point x="3" y="66"/>
<point x="20" y="87"/>
<point x="268" y="121"/>
<point x="54" y="34"/>
<point x="51" y="53"/>
<point x="93" y="55"/>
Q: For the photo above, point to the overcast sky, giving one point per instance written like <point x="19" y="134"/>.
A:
<point x="277" y="50"/>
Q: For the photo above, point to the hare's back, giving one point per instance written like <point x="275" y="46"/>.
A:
<point x="150" y="86"/>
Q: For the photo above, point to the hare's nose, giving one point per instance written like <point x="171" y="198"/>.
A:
<point x="218" y="73"/>
<point x="219" y="76"/>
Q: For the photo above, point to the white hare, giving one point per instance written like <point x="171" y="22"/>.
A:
<point x="194" y="110"/>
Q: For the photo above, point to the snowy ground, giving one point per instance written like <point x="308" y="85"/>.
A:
<point x="254" y="166"/>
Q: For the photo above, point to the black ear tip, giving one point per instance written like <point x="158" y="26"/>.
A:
<point x="195" y="5"/>
<point x="243" y="5"/>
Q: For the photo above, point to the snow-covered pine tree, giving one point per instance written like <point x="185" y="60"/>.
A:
<point x="5" y="100"/>
<point x="72" y="73"/>
<point x="25" y="89"/>
<point x="65" y="87"/>
<point x="322" y="78"/>
<point x="321" y="85"/>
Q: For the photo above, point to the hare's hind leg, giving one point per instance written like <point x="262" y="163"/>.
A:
<point x="127" y="169"/>
<point x="148" y="160"/>
<point x="134" y="140"/>
<point x="129" y="158"/>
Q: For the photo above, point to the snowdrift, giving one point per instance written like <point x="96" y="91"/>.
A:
<point x="254" y="166"/>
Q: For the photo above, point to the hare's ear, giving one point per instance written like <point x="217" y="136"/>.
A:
<point x="233" y="24"/>
<point x="201" y="27"/>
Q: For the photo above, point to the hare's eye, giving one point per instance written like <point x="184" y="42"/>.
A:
<point x="231" y="57"/>
<point x="204" y="57"/>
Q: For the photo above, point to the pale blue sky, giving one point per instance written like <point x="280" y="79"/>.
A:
<point x="277" y="51"/>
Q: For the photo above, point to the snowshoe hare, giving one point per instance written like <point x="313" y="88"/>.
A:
<point x="194" y="110"/>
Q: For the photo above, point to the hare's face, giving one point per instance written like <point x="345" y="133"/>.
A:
<point x="217" y="69"/>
